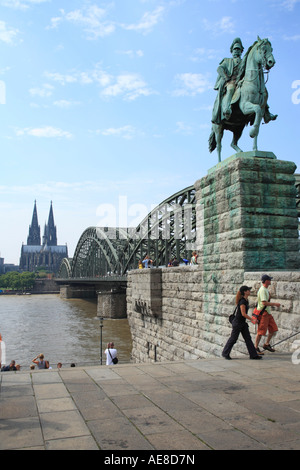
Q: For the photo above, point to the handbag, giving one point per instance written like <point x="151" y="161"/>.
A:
<point x="115" y="360"/>
<point x="232" y="316"/>
<point x="256" y="315"/>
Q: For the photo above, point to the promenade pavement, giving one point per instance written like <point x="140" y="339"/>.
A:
<point x="190" y="405"/>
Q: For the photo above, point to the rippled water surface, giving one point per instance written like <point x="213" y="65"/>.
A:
<point x="63" y="330"/>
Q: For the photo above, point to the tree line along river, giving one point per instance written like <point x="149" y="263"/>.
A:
<point x="66" y="331"/>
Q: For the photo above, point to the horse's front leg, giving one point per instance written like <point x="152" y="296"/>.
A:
<point x="250" y="108"/>
<point x="255" y="128"/>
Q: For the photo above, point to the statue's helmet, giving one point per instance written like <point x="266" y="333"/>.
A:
<point x="236" y="41"/>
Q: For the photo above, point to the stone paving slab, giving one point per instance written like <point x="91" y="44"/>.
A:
<point x="209" y="404"/>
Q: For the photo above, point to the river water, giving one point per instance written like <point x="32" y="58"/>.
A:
<point x="64" y="331"/>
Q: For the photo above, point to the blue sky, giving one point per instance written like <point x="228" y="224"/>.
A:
<point x="106" y="105"/>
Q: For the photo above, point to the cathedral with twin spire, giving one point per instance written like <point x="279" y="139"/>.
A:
<point x="43" y="252"/>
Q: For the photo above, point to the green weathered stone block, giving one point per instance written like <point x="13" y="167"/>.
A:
<point x="250" y="211"/>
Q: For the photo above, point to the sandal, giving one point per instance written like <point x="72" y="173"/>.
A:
<point x="259" y="352"/>
<point x="268" y="348"/>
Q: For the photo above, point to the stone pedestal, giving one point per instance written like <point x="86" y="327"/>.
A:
<point x="112" y="304"/>
<point x="249" y="216"/>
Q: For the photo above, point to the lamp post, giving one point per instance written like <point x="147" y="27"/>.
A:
<point x="101" y="326"/>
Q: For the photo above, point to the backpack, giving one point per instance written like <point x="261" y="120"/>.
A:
<point x="256" y="315"/>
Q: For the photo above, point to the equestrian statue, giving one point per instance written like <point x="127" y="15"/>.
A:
<point x="242" y="94"/>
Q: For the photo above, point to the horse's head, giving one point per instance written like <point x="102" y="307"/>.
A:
<point x="265" y="50"/>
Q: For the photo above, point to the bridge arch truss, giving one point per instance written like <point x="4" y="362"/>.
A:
<point x="167" y="232"/>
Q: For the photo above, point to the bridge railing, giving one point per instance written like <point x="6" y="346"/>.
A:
<point x="112" y="278"/>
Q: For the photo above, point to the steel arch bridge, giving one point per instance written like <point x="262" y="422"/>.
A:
<point x="169" y="231"/>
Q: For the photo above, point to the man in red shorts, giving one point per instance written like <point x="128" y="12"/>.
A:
<point x="267" y="322"/>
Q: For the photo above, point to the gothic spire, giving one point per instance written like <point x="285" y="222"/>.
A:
<point x="50" y="230"/>
<point x="34" y="236"/>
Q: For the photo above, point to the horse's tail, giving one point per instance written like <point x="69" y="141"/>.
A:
<point x="212" y="142"/>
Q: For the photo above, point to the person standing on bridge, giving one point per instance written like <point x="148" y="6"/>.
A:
<point x="147" y="261"/>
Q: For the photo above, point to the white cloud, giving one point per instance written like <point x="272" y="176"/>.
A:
<point x="182" y="128"/>
<point x="132" y="54"/>
<point x="148" y="21"/>
<point x="91" y="19"/>
<point x="295" y="37"/>
<point x="290" y="4"/>
<point x="65" y="104"/>
<point x="21" y="4"/>
<point x="46" y="131"/>
<point x="54" y="22"/>
<point x="43" y="91"/>
<point x="97" y="76"/>
<point x="191" y="84"/>
<point x="130" y="86"/>
<point x="202" y="54"/>
<point x="224" y="25"/>
<point x="63" y="79"/>
<point x="125" y="132"/>
<point x="7" y="34"/>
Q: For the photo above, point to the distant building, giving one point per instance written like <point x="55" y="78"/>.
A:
<point x="1" y="265"/>
<point x="10" y="267"/>
<point x="47" y="254"/>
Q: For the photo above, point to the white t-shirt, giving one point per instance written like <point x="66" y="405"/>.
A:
<point x="113" y="353"/>
<point x="263" y="295"/>
<point x="2" y="354"/>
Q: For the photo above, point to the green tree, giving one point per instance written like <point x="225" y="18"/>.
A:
<point x="26" y="280"/>
<point x="17" y="281"/>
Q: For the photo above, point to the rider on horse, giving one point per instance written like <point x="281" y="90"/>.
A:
<point x="230" y="74"/>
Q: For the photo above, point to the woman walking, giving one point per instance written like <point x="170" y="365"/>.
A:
<point x="239" y="325"/>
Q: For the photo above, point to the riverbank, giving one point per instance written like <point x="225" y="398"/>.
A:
<point x="66" y="331"/>
<point x="41" y="286"/>
<point x="192" y="405"/>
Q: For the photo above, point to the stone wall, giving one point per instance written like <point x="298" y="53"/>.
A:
<point x="45" y="286"/>
<point x="246" y="224"/>
<point x="193" y="320"/>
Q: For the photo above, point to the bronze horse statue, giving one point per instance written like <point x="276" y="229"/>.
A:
<point x="249" y="102"/>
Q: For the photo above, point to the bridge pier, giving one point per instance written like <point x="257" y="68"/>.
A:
<point x="109" y="291"/>
<point x="112" y="304"/>
<point x="77" y="292"/>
